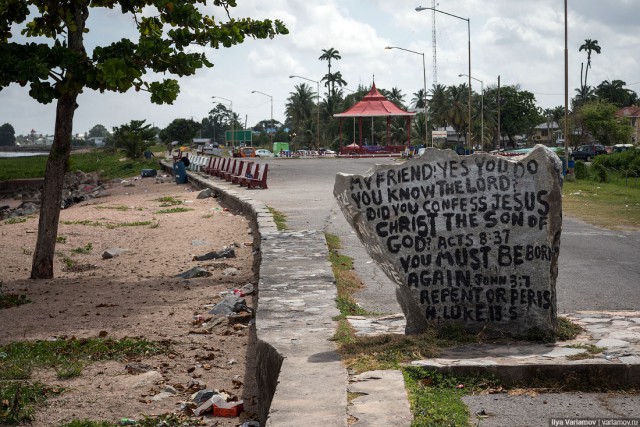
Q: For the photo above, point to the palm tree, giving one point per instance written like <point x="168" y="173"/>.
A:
<point x="334" y="78"/>
<point x="457" y="111"/>
<point x="394" y="95"/>
<point x="614" y="92"/>
<point x="300" y="108"/>
<point x="328" y="55"/>
<point x="419" y="99"/>
<point x="588" y="46"/>
<point x="439" y="105"/>
<point x="584" y="94"/>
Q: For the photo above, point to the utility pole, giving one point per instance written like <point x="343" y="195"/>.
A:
<point x="499" y="132"/>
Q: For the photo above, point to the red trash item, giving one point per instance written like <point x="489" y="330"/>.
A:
<point x="228" y="409"/>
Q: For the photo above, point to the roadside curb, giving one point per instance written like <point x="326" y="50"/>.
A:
<point x="300" y="375"/>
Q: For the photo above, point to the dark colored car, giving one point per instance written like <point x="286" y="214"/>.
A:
<point x="588" y="152"/>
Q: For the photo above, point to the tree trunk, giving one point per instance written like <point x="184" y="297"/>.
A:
<point x="57" y="165"/>
<point x="58" y="161"/>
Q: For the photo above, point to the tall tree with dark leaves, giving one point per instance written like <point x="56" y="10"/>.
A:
<point x="328" y="55"/>
<point x="60" y="69"/>
<point x="7" y="135"/>
<point x="588" y="46"/>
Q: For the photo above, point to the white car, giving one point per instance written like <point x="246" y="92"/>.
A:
<point x="263" y="153"/>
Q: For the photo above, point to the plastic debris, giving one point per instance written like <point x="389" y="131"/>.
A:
<point x="194" y="272"/>
<point x="226" y="252"/>
<point x="230" y="304"/>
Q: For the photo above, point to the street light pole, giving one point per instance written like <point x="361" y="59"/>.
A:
<point x="420" y="9"/>
<point x="424" y="101"/>
<point x="566" y="93"/>
<point x="271" y="97"/>
<point x="233" y="121"/>
<point x="481" y="108"/>
<point x="317" y="82"/>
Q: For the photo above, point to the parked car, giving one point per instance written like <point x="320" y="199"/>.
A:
<point x="261" y="152"/>
<point x="588" y="152"/>
<point x="619" y="148"/>
<point x="244" y="152"/>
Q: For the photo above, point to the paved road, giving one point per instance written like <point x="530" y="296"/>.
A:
<point x="598" y="269"/>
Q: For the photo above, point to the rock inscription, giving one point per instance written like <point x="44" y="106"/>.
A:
<point x="467" y="239"/>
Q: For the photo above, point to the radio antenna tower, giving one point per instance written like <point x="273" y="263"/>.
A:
<point x="433" y="42"/>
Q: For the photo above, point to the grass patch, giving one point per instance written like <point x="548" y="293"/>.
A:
<point x="167" y="201"/>
<point x="68" y="262"/>
<point x="347" y="281"/>
<point x="591" y="351"/>
<point x="110" y="162"/>
<point x="83" y="222"/>
<point x="173" y="210"/>
<point x="19" y="397"/>
<point x="89" y="423"/>
<point x="603" y="204"/>
<point x="26" y="251"/>
<point x="15" y="220"/>
<point x="86" y="249"/>
<point x="109" y="225"/>
<point x="129" y="224"/>
<point x="11" y="300"/>
<point x="115" y="208"/>
<point x="436" y="399"/>
<point x="61" y="239"/>
<point x="18" y="400"/>
<point x="279" y="218"/>
<point x="567" y="330"/>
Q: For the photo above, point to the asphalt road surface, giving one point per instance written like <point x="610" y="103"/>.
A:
<point x="598" y="269"/>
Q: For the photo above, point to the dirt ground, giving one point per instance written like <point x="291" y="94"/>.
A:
<point x="136" y="294"/>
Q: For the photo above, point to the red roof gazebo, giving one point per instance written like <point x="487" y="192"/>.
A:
<point x="374" y="104"/>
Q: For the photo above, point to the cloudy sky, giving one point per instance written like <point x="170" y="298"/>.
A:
<point x="520" y="40"/>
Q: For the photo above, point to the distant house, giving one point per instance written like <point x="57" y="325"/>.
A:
<point x="546" y="132"/>
<point x="633" y="114"/>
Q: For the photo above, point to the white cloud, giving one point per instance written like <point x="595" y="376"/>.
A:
<point x="520" y="40"/>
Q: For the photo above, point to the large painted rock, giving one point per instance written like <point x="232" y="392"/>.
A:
<point x="471" y="240"/>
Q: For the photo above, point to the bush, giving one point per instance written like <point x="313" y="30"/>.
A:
<point x="581" y="170"/>
<point x="625" y="161"/>
<point x="601" y="172"/>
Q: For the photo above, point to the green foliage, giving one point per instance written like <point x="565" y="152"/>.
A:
<point x="624" y="161"/>
<point x="107" y="161"/>
<point x="66" y="355"/>
<point x="83" y="250"/>
<point x="18" y="400"/>
<point x="134" y="138"/>
<point x="19" y="397"/>
<point x="11" y="300"/>
<point x="168" y="201"/>
<point x="436" y="398"/>
<point x="599" y="118"/>
<point x="279" y="218"/>
<point x="98" y="131"/>
<point x="166" y="33"/>
<point x="518" y="111"/>
<point x="600" y="172"/>
<point x="181" y="130"/>
<point x="15" y="220"/>
<point x="7" y="135"/>
<point x="581" y="170"/>
<point x="173" y="210"/>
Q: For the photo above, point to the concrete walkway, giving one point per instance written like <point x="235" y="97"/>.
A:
<point x="300" y="374"/>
